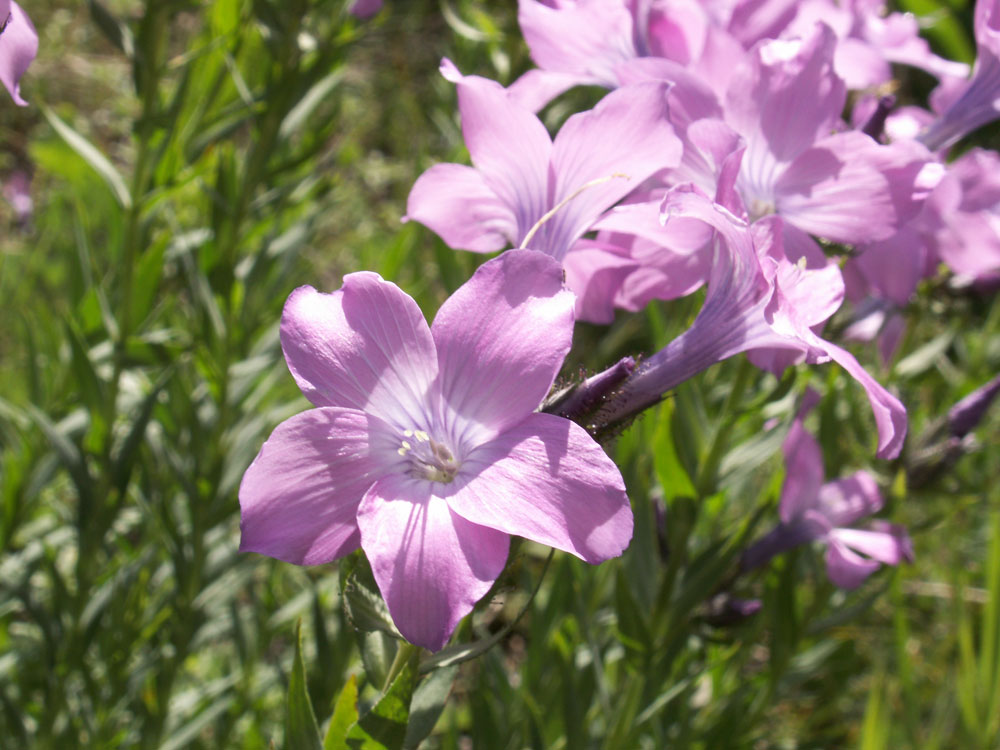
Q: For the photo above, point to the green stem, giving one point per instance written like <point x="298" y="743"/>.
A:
<point x="133" y="223"/>
<point x="405" y="654"/>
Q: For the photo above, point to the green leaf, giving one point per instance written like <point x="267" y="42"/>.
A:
<point x="924" y="358"/>
<point x="674" y="479"/>
<point x="113" y="29"/>
<point x="345" y="715"/>
<point x="85" y="374"/>
<point x="70" y="457"/>
<point x="632" y="626"/>
<point x="308" y="103"/>
<point x="301" y="730"/>
<point x="89" y="153"/>
<point x="365" y="609"/>
<point x="225" y="16"/>
<point x="875" y="728"/>
<point x="146" y="281"/>
<point x="429" y="700"/>
<point x="384" y="726"/>
<point x="377" y="649"/>
<point x="125" y="456"/>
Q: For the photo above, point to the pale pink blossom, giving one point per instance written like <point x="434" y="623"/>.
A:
<point x="425" y="449"/>
<point x="520" y="175"/>
<point x="814" y="510"/>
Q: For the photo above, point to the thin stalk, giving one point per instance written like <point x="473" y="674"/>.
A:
<point x="406" y="653"/>
<point x="561" y="204"/>
<point x="133" y="220"/>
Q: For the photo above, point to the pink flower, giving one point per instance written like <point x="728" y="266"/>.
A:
<point x="756" y="300"/>
<point x="595" y="42"/>
<point x="785" y="102"/>
<point x="813" y="510"/>
<point x="521" y="175"/>
<point x="18" y="47"/>
<point x="425" y="449"/>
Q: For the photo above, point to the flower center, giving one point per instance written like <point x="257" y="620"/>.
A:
<point x="428" y="458"/>
<point x="760" y="208"/>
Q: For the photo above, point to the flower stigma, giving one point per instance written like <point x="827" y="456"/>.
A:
<point x="428" y="458"/>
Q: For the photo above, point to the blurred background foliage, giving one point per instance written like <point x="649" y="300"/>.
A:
<point x="193" y="162"/>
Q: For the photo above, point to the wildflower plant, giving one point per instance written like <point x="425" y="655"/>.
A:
<point x="398" y="375"/>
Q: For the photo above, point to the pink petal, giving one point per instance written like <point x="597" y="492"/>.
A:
<point x="803" y="472"/>
<point x="595" y="273"/>
<point x="622" y="141"/>
<point x="365" y="346"/>
<point x="753" y="20"/>
<point x="861" y="65"/>
<point x="548" y="481"/>
<point x="785" y="98"/>
<point x="299" y="498"/>
<point x="897" y="37"/>
<point x="18" y="47"/>
<point x="731" y="321"/>
<point x="501" y="339"/>
<point x="890" y="338"/>
<point x="846" y="568"/>
<point x="455" y="202"/>
<point x="890" y="414"/>
<point x="664" y="273"/>
<point x="813" y="288"/>
<point x="677" y="30"/>
<point x="899" y="534"/>
<point x="894" y="266"/>
<point x="668" y="261"/>
<point x="586" y="38"/>
<point x="430" y="564"/>
<point x="849" y="188"/>
<point x="880" y="546"/>
<point x="846" y="500"/>
<point x="537" y="87"/>
<point x="689" y="98"/>
<point x="507" y="143"/>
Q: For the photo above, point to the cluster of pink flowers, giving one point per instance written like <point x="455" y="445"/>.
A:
<point x="723" y="155"/>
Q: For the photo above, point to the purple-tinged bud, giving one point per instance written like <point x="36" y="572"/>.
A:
<point x="967" y="413"/>
<point x="949" y="438"/>
<point x="579" y="401"/>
